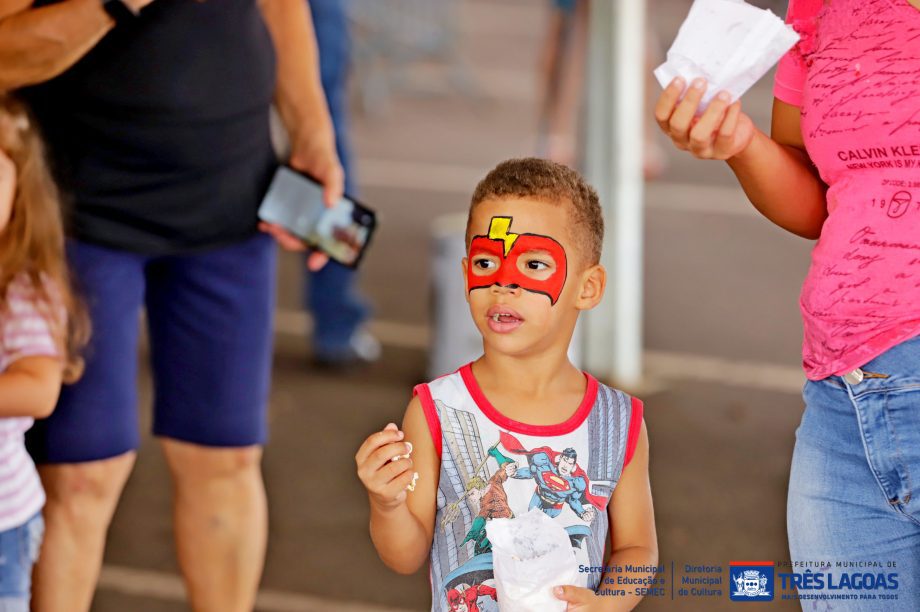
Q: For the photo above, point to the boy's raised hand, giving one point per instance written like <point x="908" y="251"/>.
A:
<point x="384" y="468"/>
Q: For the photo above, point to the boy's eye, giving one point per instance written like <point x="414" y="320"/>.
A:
<point x="536" y="265"/>
<point x="484" y="264"/>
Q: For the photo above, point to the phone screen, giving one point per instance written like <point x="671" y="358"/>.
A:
<point x="295" y="201"/>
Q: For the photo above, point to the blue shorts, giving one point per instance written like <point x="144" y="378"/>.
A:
<point x="209" y="320"/>
<point x="19" y="548"/>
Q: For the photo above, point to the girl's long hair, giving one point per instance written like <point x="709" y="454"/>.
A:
<point x="33" y="241"/>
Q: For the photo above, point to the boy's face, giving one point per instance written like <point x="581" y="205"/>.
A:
<point x="524" y="274"/>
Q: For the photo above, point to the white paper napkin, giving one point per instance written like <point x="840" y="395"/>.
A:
<point x="729" y="43"/>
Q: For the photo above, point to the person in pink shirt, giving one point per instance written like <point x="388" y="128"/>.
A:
<point x="842" y="166"/>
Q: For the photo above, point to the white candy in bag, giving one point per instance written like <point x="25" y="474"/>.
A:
<point x="728" y="42"/>
<point x="531" y="554"/>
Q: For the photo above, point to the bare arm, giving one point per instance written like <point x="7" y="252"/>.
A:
<point x="632" y="520"/>
<point x="38" y="44"/>
<point x="798" y="201"/>
<point x="402" y="522"/>
<point x="302" y="105"/>
<point x="299" y="94"/>
<point x="635" y="542"/>
<point x="29" y="387"/>
<point x="775" y="173"/>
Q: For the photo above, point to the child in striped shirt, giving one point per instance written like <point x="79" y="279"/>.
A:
<point x="40" y="335"/>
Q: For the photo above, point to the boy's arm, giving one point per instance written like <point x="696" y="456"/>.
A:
<point x="632" y="525"/>
<point x="402" y="525"/>
<point x="29" y="387"/>
<point x="632" y="529"/>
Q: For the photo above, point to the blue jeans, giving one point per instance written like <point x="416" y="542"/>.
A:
<point x="330" y="294"/>
<point x="856" y="466"/>
<point x="19" y="548"/>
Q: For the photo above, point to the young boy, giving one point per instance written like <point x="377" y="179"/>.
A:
<point x="520" y="427"/>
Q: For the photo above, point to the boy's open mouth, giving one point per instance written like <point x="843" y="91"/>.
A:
<point x="503" y="319"/>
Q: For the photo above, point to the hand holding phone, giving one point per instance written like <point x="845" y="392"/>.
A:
<point x="295" y="203"/>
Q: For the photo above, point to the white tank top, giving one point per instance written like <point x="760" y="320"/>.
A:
<point x="495" y="467"/>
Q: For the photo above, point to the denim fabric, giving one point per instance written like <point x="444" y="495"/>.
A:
<point x="852" y="490"/>
<point x="330" y="294"/>
<point x="18" y="551"/>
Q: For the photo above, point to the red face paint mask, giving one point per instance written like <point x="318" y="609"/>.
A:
<point x="508" y="248"/>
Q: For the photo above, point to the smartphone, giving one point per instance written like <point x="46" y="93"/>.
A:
<point x="295" y="202"/>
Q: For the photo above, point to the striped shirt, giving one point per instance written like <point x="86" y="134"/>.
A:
<point x="24" y="332"/>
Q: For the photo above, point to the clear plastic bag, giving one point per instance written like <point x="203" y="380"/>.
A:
<point x="531" y="554"/>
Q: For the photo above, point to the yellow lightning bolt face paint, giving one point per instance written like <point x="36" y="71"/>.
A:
<point x="507" y="247"/>
<point x="500" y="229"/>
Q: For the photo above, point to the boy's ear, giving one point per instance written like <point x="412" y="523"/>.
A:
<point x="466" y="280"/>
<point x="591" y="290"/>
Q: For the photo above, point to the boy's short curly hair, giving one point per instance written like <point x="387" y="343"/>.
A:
<point x="547" y="181"/>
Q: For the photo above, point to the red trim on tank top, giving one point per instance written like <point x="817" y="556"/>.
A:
<point x="632" y="438"/>
<point x="559" y="429"/>
<point x="431" y="414"/>
<point x="635" y="426"/>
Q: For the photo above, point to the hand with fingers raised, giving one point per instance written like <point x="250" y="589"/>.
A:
<point x="721" y="131"/>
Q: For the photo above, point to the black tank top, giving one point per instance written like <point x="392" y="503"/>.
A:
<point x="159" y="136"/>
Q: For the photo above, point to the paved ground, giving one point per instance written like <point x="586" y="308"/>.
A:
<point x="721" y="329"/>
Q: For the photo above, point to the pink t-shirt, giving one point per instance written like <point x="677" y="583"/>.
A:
<point x="856" y="77"/>
<point x="24" y="332"/>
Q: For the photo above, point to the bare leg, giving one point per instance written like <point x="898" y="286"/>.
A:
<point x="221" y="523"/>
<point x="81" y="501"/>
